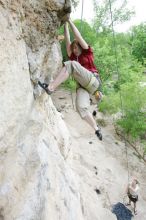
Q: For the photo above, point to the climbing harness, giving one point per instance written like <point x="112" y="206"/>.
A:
<point x="89" y="86"/>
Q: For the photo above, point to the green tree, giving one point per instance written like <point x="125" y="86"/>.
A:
<point x="134" y="104"/>
<point x="75" y="3"/>
<point x="111" y="64"/>
<point x="138" y="42"/>
<point x="120" y="14"/>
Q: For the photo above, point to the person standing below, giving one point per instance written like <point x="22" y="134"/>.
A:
<point x="132" y="193"/>
<point x="81" y="67"/>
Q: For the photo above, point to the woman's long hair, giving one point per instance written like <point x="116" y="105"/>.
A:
<point x="75" y="42"/>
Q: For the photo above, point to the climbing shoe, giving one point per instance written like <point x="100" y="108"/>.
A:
<point x="45" y="87"/>
<point x="99" y="135"/>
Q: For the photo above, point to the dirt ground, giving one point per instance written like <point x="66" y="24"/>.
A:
<point x="101" y="166"/>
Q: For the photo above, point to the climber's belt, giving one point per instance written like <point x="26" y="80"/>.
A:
<point x="92" y="81"/>
<point x="90" y="87"/>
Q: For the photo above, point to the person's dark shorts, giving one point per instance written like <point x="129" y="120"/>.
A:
<point x="133" y="198"/>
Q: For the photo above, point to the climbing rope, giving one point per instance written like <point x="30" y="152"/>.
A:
<point x="72" y="99"/>
<point x="81" y="21"/>
<point x="117" y="69"/>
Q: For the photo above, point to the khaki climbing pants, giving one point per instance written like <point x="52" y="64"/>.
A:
<point x="83" y="78"/>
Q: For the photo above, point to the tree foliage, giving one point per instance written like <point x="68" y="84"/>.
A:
<point x="74" y="3"/>
<point x="134" y="104"/>
<point x="107" y="8"/>
<point x="138" y="41"/>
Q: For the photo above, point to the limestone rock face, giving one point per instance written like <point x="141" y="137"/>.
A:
<point x="35" y="181"/>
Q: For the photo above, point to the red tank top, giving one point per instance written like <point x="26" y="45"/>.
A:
<point x="86" y="59"/>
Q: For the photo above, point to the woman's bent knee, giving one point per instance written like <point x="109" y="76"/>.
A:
<point x="83" y="112"/>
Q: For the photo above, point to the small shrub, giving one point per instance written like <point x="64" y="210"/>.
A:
<point x="70" y="84"/>
<point x="133" y="106"/>
<point x="110" y="103"/>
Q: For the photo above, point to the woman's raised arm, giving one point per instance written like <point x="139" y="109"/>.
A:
<point x="67" y="39"/>
<point x="77" y="35"/>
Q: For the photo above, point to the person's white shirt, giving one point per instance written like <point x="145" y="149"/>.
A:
<point x="133" y="190"/>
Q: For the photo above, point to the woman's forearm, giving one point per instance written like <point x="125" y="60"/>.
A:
<point x="67" y="39"/>
<point x="74" y="29"/>
<point x="77" y="35"/>
<point x="66" y="33"/>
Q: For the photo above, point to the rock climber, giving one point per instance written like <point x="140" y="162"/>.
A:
<point x="81" y="67"/>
